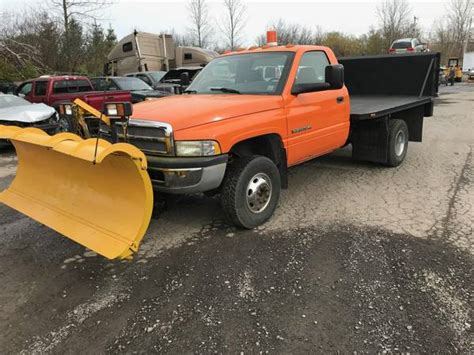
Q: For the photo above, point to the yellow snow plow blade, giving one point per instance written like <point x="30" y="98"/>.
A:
<point x="105" y="203"/>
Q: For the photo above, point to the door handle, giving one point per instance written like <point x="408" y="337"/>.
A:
<point x="340" y="99"/>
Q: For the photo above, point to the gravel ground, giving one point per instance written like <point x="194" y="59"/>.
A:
<point x="357" y="258"/>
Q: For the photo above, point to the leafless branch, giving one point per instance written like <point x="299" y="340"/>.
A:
<point x="200" y="22"/>
<point x="234" y="22"/>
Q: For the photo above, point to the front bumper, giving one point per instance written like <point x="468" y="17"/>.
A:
<point x="186" y="175"/>
<point x="50" y="128"/>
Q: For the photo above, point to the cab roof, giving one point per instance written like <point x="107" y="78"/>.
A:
<point x="283" y="48"/>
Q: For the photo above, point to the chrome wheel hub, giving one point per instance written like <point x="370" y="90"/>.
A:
<point x="400" y="141"/>
<point x="259" y="192"/>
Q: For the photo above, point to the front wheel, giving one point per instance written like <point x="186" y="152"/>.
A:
<point x="397" y="142"/>
<point x="250" y="191"/>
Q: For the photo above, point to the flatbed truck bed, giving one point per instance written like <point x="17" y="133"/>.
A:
<point x="386" y="87"/>
<point x="365" y="107"/>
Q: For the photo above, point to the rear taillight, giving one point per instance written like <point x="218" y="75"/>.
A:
<point x="391" y="50"/>
<point x="410" y="49"/>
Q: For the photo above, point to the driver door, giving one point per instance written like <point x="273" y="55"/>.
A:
<point x="318" y="122"/>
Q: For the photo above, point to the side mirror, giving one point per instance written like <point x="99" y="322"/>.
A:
<point x="185" y="79"/>
<point x="309" y="87"/>
<point x="335" y="76"/>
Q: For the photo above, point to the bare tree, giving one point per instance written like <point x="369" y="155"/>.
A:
<point x="234" y="22"/>
<point x="81" y="10"/>
<point x="200" y="21"/>
<point x="74" y="14"/>
<point x="460" y="14"/>
<point x="394" y="17"/>
<point x="451" y="34"/>
<point x="23" y="42"/>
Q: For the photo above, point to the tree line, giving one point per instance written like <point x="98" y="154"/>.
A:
<point x="68" y="36"/>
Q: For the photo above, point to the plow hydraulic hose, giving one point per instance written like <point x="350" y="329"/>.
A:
<point x="93" y="192"/>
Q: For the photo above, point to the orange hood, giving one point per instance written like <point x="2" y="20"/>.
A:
<point x="186" y="111"/>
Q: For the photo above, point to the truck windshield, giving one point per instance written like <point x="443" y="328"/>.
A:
<point x="157" y="75"/>
<point x="253" y="74"/>
<point x="132" y="84"/>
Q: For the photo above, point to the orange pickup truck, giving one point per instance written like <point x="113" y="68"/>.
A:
<point x="250" y="115"/>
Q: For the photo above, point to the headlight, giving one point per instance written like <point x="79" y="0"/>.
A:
<point x="197" y="148"/>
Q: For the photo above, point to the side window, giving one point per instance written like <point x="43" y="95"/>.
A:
<point x="144" y="78"/>
<point x="127" y="47"/>
<point x="95" y="84"/>
<point x="188" y="56"/>
<point x="40" y="88"/>
<point x="110" y="86"/>
<point x="60" y="87"/>
<point x="25" y="90"/>
<point x="72" y="86"/>
<point x="312" y="68"/>
<point x="100" y="84"/>
<point x="83" y="85"/>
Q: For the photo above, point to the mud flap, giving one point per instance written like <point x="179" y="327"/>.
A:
<point x="104" y="204"/>
<point x="369" y="140"/>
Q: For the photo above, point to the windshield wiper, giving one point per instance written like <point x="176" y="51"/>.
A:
<point x="226" y="90"/>
<point x="190" y="91"/>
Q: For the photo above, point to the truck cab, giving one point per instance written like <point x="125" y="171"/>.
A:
<point x="274" y="106"/>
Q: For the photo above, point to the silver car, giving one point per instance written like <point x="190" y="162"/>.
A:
<point x="16" y="111"/>
<point x="407" y="45"/>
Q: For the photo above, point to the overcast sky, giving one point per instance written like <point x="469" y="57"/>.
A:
<point x="354" y="17"/>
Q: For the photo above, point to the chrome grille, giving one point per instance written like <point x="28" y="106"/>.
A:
<point x="153" y="138"/>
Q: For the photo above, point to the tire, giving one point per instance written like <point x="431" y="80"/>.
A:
<point x="250" y="191"/>
<point x="397" y="142"/>
<point x="65" y="124"/>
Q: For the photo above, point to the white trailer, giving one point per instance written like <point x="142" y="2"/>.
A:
<point x="468" y="62"/>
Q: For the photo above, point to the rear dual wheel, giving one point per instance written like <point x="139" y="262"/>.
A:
<point x="250" y="191"/>
<point x="397" y="142"/>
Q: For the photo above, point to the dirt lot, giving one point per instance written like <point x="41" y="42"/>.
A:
<point x="357" y="258"/>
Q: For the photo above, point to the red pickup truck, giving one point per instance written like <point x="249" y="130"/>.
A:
<point x="53" y="90"/>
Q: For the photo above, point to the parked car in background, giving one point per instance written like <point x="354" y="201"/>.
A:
<point x="139" y="90"/>
<point x="177" y="80"/>
<point x="16" y="111"/>
<point x="443" y="78"/>
<point x="470" y="74"/>
<point x="54" y="90"/>
<point x="407" y="45"/>
<point x="152" y="78"/>
<point x="7" y="87"/>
